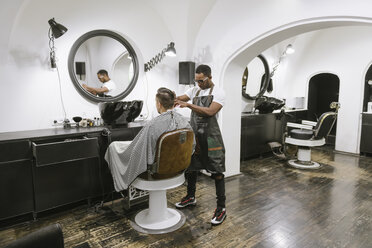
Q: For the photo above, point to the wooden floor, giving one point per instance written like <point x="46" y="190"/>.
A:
<point x="269" y="205"/>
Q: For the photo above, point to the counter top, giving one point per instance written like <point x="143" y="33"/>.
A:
<point x="59" y="132"/>
<point x="274" y="112"/>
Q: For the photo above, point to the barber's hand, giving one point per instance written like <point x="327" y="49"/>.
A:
<point x="85" y="86"/>
<point x="180" y="103"/>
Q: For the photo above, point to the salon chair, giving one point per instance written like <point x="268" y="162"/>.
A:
<point x="173" y="156"/>
<point x="46" y="237"/>
<point x="310" y="134"/>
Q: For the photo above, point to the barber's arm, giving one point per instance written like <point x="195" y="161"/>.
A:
<point x="183" y="98"/>
<point x="95" y="91"/>
<point x="204" y="111"/>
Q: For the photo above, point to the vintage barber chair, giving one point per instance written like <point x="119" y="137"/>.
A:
<point x="173" y="156"/>
<point x="310" y="134"/>
<point x="46" y="237"/>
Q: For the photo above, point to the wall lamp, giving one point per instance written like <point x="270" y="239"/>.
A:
<point x="56" y="30"/>
<point x="168" y="51"/>
<point x="288" y="50"/>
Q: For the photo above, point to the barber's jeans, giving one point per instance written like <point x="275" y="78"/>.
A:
<point x="191" y="177"/>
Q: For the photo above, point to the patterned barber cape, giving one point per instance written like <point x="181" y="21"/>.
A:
<point x="127" y="160"/>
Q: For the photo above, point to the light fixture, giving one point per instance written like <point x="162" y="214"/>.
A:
<point x="288" y="50"/>
<point x="56" y="30"/>
<point x="169" y="51"/>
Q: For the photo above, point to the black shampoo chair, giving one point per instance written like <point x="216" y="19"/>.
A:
<point x="119" y="113"/>
<point x="309" y="134"/>
<point x="46" y="237"/>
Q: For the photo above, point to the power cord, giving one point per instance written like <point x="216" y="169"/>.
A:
<point x="146" y="98"/>
<point x="60" y="93"/>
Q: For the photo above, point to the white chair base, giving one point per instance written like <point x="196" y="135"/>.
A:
<point x="158" y="218"/>
<point x="303" y="160"/>
<point x="297" y="164"/>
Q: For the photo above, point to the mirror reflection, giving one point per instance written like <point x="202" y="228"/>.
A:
<point x="255" y="78"/>
<point x="256" y="72"/>
<point x="103" y="66"/>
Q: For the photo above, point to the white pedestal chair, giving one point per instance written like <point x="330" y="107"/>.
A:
<point x="310" y="134"/>
<point x="173" y="156"/>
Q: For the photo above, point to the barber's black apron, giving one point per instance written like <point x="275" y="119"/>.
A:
<point x="209" y="152"/>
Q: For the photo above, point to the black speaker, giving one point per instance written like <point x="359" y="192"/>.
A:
<point x="80" y="68"/>
<point x="186" y="72"/>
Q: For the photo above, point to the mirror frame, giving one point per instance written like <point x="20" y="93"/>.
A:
<point x="124" y="42"/>
<point x="265" y="84"/>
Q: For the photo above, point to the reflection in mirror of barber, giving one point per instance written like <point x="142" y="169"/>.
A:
<point x="103" y="49"/>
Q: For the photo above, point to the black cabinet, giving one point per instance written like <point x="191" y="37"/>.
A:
<point x="63" y="171"/>
<point x="256" y="131"/>
<point x="16" y="188"/>
<point x="44" y="169"/>
<point x="365" y="139"/>
<point x="259" y="129"/>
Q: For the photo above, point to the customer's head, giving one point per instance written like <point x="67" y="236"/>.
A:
<point x="103" y="76"/>
<point x="203" y="76"/>
<point x="164" y="99"/>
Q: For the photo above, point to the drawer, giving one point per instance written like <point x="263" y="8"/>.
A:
<point x="46" y="153"/>
<point x="15" y="150"/>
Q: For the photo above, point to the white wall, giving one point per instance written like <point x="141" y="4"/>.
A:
<point x="224" y="33"/>
<point x="343" y="51"/>
<point x="240" y="37"/>
<point x="31" y="99"/>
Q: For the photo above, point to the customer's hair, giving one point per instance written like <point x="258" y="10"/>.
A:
<point x="166" y="97"/>
<point x="206" y="70"/>
<point x="103" y="72"/>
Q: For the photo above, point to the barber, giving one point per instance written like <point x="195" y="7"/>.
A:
<point x="207" y="100"/>
<point x="108" y="86"/>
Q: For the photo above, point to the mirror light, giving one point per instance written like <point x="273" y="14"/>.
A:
<point x="288" y="50"/>
<point x="169" y="51"/>
<point x="56" y="30"/>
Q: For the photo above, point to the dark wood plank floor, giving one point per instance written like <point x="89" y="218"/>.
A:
<point x="269" y="205"/>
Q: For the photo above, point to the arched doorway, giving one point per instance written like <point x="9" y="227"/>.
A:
<point x="234" y="66"/>
<point x="323" y="89"/>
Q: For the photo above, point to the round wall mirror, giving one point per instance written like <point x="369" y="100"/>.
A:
<point x="256" y="78"/>
<point x="103" y="50"/>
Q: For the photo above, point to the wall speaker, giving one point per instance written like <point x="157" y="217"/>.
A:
<point x="80" y="68"/>
<point x="186" y="72"/>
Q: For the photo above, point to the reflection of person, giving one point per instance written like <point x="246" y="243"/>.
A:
<point x="126" y="159"/>
<point x="107" y="85"/>
<point x="207" y="101"/>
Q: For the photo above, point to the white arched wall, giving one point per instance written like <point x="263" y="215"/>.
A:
<point x="31" y="99"/>
<point x="232" y="72"/>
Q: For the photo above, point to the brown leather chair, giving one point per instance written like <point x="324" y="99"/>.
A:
<point x="173" y="156"/>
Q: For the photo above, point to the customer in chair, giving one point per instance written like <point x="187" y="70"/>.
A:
<point x="207" y="100"/>
<point x="128" y="159"/>
<point x="107" y="85"/>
